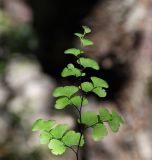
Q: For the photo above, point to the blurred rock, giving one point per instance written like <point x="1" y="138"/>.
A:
<point x="144" y="144"/>
<point x="19" y="10"/>
<point x="4" y="93"/>
<point x="23" y="69"/>
<point x="30" y="99"/>
<point x="4" y="126"/>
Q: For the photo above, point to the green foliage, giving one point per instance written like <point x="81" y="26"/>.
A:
<point x="90" y="87"/>
<point x="45" y="137"/>
<point x="98" y="82"/>
<point x="66" y="91"/>
<point x="115" y="121"/>
<point x="59" y="137"/>
<point x="59" y="130"/>
<point x="86" y="29"/>
<point x="89" y="118"/>
<point x="100" y="92"/>
<point x="73" y="51"/>
<point x="99" y="132"/>
<point x="86" y="42"/>
<point x="87" y="62"/>
<point x="41" y="124"/>
<point x="87" y="86"/>
<point x="72" y="139"/>
<point x="96" y="122"/>
<point x="57" y="147"/>
<point x="104" y="114"/>
<point x="78" y="100"/>
<point x="78" y="35"/>
<point x="62" y="103"/>
<point x="70" y="70"/>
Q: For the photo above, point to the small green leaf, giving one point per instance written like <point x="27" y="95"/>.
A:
<point x="99" y="132"/>
<point x="86" y="29"/>
<point x="70" y="70"/>
<point x="45" y="137"/>
<point x="89" y="118"/>
<point x="73" y="51"/>
<point x="78" y="35"/>
<point x="78" y="100"/>
<point x="87" y="86"/>
<point x="57" y="147"/>
<point x="83" y="74"/>
<point x="98" y="82"/>
<point x="104" y="114"/>
<point x="62" y="103"/>
<point x="72" y="139"/>
<point x="100" y="92"/>
<point x="87" y="62"/>
<point x="67" y="91"/>
<point x="115" y="121"/>
<point x="86" y="42"/>
<point x="59" y="130"/>
<point x="40" y="124"/>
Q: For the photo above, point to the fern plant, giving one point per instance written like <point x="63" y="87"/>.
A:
<point x="60" y="137"/>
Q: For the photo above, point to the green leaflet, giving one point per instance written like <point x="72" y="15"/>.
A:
<point x="86" y="29"/>
<point x="57" y="147"/>
<point x="66" y="91"/>
<point x="41" y="124"/>
<point x="96" y="86"/>
<point x="89" y="118"/>
<point x="45" y="137"/>
<point x="62" y="103"/>
<point x="86" y="42"/>
<point x="78" y="100"/>
<point x="98" y="82"/>
<point x="73" y="51"/>
<point x="104" y="114"/>
<point x="99" y="132"/>
<point x="115" y="121"/>
<point x="100" y="92"/>
<point x="87" y="62"/>
<point x="59" y="130"/>
<point x="72" y="138"/>
<point x="78" y="35"/>
<point x="87" y="86"/>
<point x="70" y="70"/>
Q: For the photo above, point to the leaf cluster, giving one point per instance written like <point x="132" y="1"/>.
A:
<point x="97" y="122"/>
<point x="58" y="137"/>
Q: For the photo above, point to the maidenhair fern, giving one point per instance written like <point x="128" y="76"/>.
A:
<point x="60" y="137"/>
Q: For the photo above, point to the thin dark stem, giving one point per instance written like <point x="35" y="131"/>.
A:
<point x="95" y="124"/>
<point x="79" y="145"/>
<point x="72" y="149"/>
<point x="75" y="107"/>
<point x="91" y="125"/>
<point x="80" y="110"/>
<point x="80" y="128"/>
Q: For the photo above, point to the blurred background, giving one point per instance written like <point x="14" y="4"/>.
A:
<point x="33" y="37"/>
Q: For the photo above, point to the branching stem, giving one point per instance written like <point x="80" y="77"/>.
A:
<point x="80" y="117"/>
